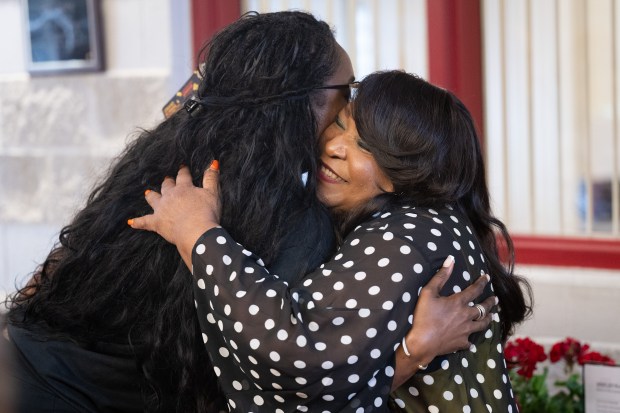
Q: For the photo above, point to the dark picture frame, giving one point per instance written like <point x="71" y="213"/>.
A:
<point x="63" y="36"/>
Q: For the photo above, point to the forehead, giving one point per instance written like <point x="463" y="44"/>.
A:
<point x="344" y="70"/>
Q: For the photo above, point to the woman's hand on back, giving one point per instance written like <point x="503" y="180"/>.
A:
<point x="441" y="325"/>
<point x="183" y="212"/>
<point x="444" y="324"/>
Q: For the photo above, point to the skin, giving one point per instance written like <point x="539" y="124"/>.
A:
<point x="331" y="101"/>
<point x="349" y="174"/>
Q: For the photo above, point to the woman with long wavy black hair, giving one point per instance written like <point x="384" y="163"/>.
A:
<point x="108" y="321"/>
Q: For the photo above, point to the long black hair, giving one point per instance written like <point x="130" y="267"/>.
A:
<point x="424" y="139"/>
<point x="104" y="281"/>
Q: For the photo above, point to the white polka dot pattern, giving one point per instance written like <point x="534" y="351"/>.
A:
<point x="259" y="330"/>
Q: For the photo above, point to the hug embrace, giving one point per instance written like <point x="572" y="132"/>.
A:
<point x="262" y="291"/>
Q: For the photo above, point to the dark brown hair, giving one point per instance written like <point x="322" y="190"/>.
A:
<point x="424" y="139"/>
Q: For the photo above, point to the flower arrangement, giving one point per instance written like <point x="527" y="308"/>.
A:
<point x="531" y="387"/>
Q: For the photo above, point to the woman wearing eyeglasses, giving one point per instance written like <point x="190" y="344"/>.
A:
<point x="402" y="170"/>
<point x="108" y="321"/>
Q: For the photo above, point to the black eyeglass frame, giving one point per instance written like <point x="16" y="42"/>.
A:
<point x="347" y="86"/>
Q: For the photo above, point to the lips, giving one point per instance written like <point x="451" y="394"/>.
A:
<point x="327" y="174"/>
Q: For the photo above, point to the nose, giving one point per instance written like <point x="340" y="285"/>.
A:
<point x="334" y="145"/>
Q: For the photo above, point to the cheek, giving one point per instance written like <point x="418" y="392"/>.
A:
<point x="368" y="177"/>
<point x="373" y="182"/>
<point x="332" y="104"/>
<point x="323" y="122"/>
<point x="329" y="197"/>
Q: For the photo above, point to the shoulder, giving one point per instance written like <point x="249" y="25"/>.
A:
<point x="389" y="236"/>
<point x="433" y="233"/>
<point x="413" y="222"/>
<point x="400" y="233"/>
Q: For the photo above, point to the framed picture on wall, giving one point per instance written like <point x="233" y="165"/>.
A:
<point x="63" y="36"/>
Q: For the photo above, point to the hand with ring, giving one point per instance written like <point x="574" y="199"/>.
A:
<point x="442" y="325"/>
<point x="482" y="312"/>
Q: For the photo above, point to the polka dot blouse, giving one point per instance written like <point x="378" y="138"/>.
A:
<point x="327" y="344"/>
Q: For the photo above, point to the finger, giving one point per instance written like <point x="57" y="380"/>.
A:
<point x="184" y="177"/>
<point x="483" y="323"/>
<point x="489" y="303"/>
<point x="215" y="165"/>
<point x="466" y="345"/>
<point x="211" y="178"/>
<point x="152" y="198"/>
<point x="146" y="223"/>
<point x="439" y="279"/>
<point x="168" y="183"/>
<point x="473" y="291"/>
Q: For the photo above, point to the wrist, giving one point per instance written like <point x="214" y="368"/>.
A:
<point x="419" y="350"/>
<point x="188" y="241"/>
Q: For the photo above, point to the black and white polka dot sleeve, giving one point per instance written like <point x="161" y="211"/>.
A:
<point x="330" y="338"/>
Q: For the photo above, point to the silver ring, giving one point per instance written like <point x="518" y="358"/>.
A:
<point x="481" y="312"/>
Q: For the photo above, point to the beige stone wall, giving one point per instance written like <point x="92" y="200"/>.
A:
<point x="58" y="134"/>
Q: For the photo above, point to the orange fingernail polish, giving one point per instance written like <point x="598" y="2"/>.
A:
<point x="147" y="192"/>
<point x="215" y="165"/>
<point x="130" y="222"/>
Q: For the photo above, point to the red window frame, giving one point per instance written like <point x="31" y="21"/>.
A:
<point x="455" y="62"/>
<point x="209" y="16"/>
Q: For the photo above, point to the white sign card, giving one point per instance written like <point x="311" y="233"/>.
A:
<point x="601" y="385"/>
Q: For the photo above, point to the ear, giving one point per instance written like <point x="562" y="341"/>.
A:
<point x="385" y="183"/>
<point x="387" y="187"/>
<point x="382" y="180"/>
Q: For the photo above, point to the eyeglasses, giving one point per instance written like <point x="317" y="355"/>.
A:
<point x="348" y="89"/>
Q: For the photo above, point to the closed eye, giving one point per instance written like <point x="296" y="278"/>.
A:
<point x="362" y="145"/>
<point x="339" y="122"/>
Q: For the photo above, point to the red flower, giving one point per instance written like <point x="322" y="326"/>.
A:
<point x="595" y="357"/>
<point x="572" y="352"/>
<point x="525" y="354"/>
<point x="569" y="350"/>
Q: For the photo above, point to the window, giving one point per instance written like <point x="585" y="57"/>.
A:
<point x="378" y="35"/>
<point x="552" y="115"/>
